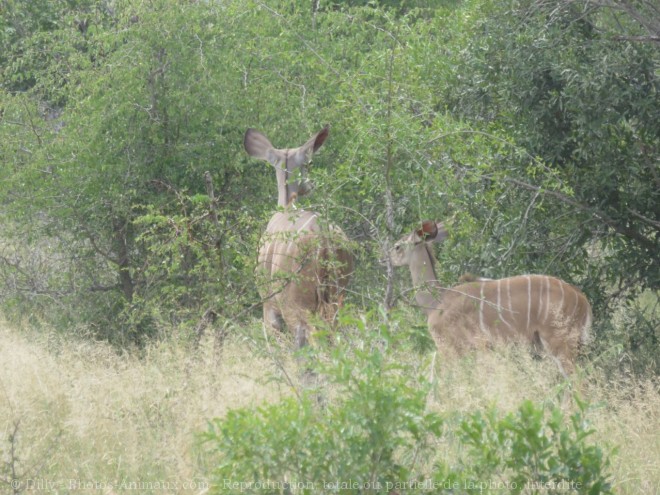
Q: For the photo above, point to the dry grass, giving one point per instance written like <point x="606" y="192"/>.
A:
<point x="84" y="414"/>
<point x="88" y="415"/>
<point x="625" y="414"/>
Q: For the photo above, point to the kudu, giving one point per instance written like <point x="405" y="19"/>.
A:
<point x="538" y="310"/>
<point x="304" y="264"/>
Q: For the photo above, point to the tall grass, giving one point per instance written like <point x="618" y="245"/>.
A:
<point x="624" y="411"/>
<point x="78" y="415"/>
<point x="85" y="414"/>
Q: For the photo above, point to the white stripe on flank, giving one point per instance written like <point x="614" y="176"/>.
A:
<point x="499" y="306"/>
<point x="508" y="293"/>
<point x="304" y="225"/>
<point x="529" y="298"/>
<point x="561" y="303"/>
<point x="499" y="298"/>
<point x="481" y="309"/>
<point x="547" y="298"/>
<point x="538" y="309"/>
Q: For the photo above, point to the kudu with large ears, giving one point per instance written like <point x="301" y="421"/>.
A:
<point x="287" y="162"/>
<point x="304" y="264"/>
<point x="532" y="309"/>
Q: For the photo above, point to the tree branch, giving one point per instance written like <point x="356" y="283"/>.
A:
<point x="642" y="39"/>
<point x="600" y="215"/>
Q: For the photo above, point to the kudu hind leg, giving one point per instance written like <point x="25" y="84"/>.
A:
<point x="562" y="354"/>
<point x="296" y="322"/>
<point x="301" y="334"/>
<point x="273" y="317"/>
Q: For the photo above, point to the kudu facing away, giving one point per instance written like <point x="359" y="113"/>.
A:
<point x="304" y="264"/>
<point x="533" y="309"/>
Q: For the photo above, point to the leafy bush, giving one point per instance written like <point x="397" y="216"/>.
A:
<point x="629" y="341"/>
<point x="375" y="435"/>
<point x="369" y="436"/>
<point x="533" y="451"/>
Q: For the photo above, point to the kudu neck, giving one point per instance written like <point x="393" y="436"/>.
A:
<point x="422" y="270"/>
<point x="283" y="188"/>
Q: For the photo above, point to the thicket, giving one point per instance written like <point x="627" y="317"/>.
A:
<point x="366" y="428"/>
<point x="530" y="128"/>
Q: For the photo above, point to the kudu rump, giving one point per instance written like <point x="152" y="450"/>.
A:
<point x="533" y="309"/>
<point x="304" y="264"/>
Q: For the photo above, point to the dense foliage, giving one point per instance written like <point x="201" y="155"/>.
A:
<point x="376" y="436"/>
<point x="530" y="127"/>
<point x="130" y="211"/>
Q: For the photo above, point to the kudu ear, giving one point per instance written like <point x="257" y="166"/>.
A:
<point x="428" y="230"/>
<point x="258" y="146"/>
<point x="302" y="155"/>
<point x="431" y="232"/>
<point x="442" y="232"/>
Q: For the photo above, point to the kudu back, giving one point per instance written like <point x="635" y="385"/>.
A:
<point x="304" y="264"/>
<point x="538" y="310"/>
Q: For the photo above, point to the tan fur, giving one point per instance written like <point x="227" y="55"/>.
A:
<point x="532" y="309"/>
<point x="471" y="277"/>
<point x="304" y="265"/>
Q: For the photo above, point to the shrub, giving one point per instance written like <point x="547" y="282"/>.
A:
<point x="532" y="451"/>
<point x="368" y="437"/>
<point x="373" y="434"/>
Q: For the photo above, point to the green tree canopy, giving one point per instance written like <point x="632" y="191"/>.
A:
<point x="531" y="128"/>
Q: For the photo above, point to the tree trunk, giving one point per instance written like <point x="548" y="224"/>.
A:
<point x="120" y="228"/>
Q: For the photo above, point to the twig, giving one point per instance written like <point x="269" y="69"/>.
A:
<point x="621" y="229"/>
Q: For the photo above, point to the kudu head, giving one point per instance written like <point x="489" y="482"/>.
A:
<point x="402" y="251"/>
<point x="290" y="164"/>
